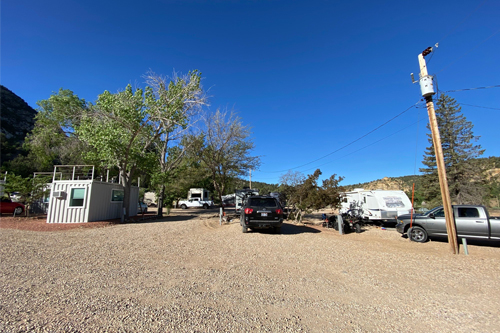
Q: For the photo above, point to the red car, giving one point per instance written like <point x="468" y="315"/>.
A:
<point x="9" y="207"/>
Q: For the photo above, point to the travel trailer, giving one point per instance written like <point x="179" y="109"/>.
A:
<point x="201" y="193"/>
<point x="376" y="205"/>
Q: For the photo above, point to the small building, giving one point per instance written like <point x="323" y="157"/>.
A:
<point x="77" y="197"/>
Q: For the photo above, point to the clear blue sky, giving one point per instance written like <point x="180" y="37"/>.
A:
<point x="309" y="77"/>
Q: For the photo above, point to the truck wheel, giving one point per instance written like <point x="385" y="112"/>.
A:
<point x="183" y="206"/>
<point x="417" y="234"/>
<point x="18" y="210"/>
<point x="205" y="206"/>
<point x="357" y="227"/>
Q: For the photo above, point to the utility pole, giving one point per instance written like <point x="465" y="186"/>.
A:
<point x="427" y="89"/>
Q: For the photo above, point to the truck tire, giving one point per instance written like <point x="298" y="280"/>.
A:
<point x="183" y="206"/>
<point x="205" y="206"/>
<point x="357" y="228"/>
<point x="417" y="234"/>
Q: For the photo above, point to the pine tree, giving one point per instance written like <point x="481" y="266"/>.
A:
<point x="459" y="152"/>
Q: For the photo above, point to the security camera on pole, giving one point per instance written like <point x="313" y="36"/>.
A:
<point x="427" y="89"/>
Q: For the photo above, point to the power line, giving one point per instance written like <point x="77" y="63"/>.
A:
<point x="477" y="106"/>
<point x="357" y="150"/>
<point x="350" y="143"/>
<point x="466" y="89"/>
<point x="464" y="54"/>
<point x="462" y="22"/>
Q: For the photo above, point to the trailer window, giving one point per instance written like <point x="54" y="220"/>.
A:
<point x="77" y="196"/>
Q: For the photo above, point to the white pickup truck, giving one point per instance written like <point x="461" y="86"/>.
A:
<point x="195" y="203"/>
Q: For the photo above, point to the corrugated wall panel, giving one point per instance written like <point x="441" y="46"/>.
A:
<point x="101" y="206"/>
<point x="59" y="210"/>
<point x="97" y="202"/>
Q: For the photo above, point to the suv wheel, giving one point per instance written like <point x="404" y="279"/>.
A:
<point x="183" y="206"/>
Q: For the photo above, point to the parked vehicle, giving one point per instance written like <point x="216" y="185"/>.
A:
<point x="9" y="207"/>
<point x="195" y="203"/>
<point x="16" y="197"/>
<point x="200" y="193"/>
<point x="352" y="221"/>
<point x="261" y="212"/>
<point x="377" y="205"/>
<point x="471" y="222"/>
<point x="241" y="196"/>
<point x="142" y="207"/>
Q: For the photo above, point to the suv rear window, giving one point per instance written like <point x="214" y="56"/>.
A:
<point x="262" y="202"/>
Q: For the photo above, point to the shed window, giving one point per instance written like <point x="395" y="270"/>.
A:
<point x="77" y="196"/>
<point x="117" y="195"/>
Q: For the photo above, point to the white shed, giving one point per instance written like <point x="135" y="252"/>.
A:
<point x="77" y="200"/>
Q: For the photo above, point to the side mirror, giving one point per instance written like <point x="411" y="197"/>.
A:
<point x="431" y="215"/>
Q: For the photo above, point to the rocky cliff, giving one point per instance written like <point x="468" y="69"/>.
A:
<point x="17" y="120"/>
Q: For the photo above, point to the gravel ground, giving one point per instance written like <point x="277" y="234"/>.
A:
<point x="186" y="273"/>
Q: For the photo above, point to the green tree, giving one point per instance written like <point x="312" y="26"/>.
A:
<point x="459" y="151"/>
<point x="30" y="189"/>
<point x="119" y="130"/>
<point x="53" y="139"/>
<point x="305" y="195"/>
<point x="223" y="150"/>
<point x="174" y="108"/>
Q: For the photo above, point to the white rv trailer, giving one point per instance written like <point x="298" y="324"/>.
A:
<point x="201" y="193"/>
<point x="377" y="204"/>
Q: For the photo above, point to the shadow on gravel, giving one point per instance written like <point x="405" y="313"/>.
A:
<point x="475" y="242"/>
<point x="290" y="229"/>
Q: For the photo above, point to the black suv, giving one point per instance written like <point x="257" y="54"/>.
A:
<point x="261" y="212"/>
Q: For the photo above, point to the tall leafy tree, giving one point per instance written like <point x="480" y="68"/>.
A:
<point x="224" y="149"/>
<point x="459" y="152"/>
<point x="119" y="129"/>
<point x="53" y="139"/>
<point x="174" y="106"/>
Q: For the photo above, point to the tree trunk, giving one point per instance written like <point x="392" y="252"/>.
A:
<point x="161" y="197"/>
<point x="127" y="184"/>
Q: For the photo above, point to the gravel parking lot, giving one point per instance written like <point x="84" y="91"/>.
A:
<point x="186" y="273"/>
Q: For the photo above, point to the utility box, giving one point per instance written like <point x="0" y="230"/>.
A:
<point x="427" y="86"/>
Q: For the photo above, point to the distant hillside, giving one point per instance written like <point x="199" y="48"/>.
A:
<point x="17" y="120"/>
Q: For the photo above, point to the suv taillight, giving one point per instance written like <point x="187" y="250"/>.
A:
<point x="279" y="211"/>
<point x="248" y="210"/>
